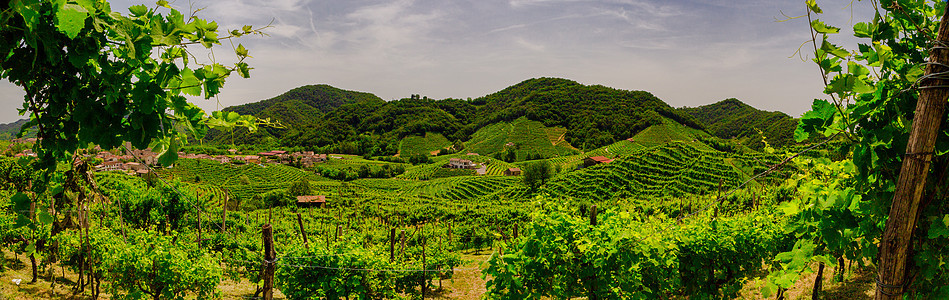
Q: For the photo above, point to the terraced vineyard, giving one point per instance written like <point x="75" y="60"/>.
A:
<point x="667" y="132"/>
<point x="675" y="169"/>
<point x="237" y="181"/>
<point x="462" y="187"/>
<point x="529" y="137"/>
<point x="411" y="145"/>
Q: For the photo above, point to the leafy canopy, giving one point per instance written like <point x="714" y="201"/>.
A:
<point x="93" y="75"/>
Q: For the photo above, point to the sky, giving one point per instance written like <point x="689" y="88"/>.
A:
<point x="686" y="52"/>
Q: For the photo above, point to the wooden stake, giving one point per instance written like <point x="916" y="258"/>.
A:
<point x="894" y="247"/>
<point x="224" y="218"/>
<point x="424" y="272"/>
<point x="269" y="257"/>
<point x="200" y="230"/>
<point x="392" y="244"/>
<point x="402" y="245"/>
<point x="592" y="215"/>
<point x="339" y="230"/>
<point x="306" y="242"/>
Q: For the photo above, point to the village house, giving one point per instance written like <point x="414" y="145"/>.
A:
<point x="308" y="160"/>
<point x="134" y="166"/>
<point x="222" y="159"/>
<point x="24" y="140"/>
<point x="311" y="201"/>
<point x="596" y="160"/>
<point x="457" y="163"/>
<point x="512" y="172"/>
<point x="251" y="159"/>
<point x="110" y="166"/>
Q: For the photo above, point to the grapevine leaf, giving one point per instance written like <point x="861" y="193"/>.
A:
<point x="138" y="10"/>
<point x="44" y="217"/>
<point x="939" y="227"/>
<point x="71" y="19"/>
<point x="834" y="50"/>
<point x="862" y="30"/>
<point x="29" y="12"/>
<point x="241" y="51"/>
<point x="820" y="27"/>
<point x="189" y="83"/>
<point x="170" y="155"/>
<point x="812" y="5"/>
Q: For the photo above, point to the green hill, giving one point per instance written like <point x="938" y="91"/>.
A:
<point x="299" y="109"/>
<point x="593" y="115"/>
<point x="544" y="117"/>
<point x="9" y="130"/>
<point x="732" y="118"/>
<point x="527" y="139"/>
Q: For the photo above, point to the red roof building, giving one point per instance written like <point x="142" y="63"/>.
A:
<point x="596" y="160"/>
<point x="311" y="201"/>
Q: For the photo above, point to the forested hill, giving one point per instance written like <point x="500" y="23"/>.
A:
<point x="299" y="104"/>
<point x="731" y="118"/>
<point x="333" y="120"/>
<point x="10" y="130"/>
<point x="300" y="107"/>
<point x="594" y="115"/>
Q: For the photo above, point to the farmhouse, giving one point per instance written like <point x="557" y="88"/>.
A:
<point x="311" y="201"/>
<point x="512" y="172"/>
<point x="251" y="159"/>
<point x="596" y="160"/>
<point x="457" y="163"/>
<point x="222" y="159"/>
<point x="110" y="166"/>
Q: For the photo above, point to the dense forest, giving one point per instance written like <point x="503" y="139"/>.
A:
<point x="731" y="118"/>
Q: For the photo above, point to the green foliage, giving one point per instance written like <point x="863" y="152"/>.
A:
<point x="561" y="255"/>
<point x="144" y="264"/>
<point x="127" y="75"/>
<point x="420" y="158"/>
<point x="536" y="174"/>
<point x="300" y="188"/>
<point x="845" y="204"/>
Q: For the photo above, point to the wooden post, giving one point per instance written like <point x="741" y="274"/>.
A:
<point x="402" y="245"/>
<point x="339" y="229"/>
<point x="200" y="230"/>
<point x="815" y="292"/>
<point x="894" y="246"/>
<point x="515" y="231"/>
<point x="306" y="242"/>
<point x="592" y="215"/>
<point x="450" y="234"/>
<point x="424" y="272"/>
<point x="392" y="244"/>
<point x="719" y="198"/>
<point x="269" y="257"/>
<point x="224" y="218"/>
<point x="592" y="295"/>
